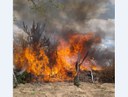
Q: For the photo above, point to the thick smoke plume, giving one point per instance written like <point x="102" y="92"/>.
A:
<point x="72" y="16"/>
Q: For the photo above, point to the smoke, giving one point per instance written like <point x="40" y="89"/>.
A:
<point x="79" y="16"/>
<point x="103" y="28"/>
<point x="112" y="2"/>
<point x="103" y="56"/>
<point x="73" y="13"/>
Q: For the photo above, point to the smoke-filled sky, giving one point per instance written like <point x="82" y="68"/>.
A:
<point x="82" y="16"/>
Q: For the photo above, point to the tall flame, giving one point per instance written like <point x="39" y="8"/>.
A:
<point x="37" y="62"/>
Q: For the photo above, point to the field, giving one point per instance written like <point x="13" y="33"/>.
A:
<point x="64" y="89"/>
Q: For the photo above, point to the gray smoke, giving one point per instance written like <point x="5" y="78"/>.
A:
<point x="73" y="13"/>
<point x="62" y="16"/>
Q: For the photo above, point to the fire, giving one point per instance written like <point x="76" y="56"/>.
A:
<point x="37" y="62"/>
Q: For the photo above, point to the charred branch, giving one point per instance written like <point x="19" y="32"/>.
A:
<point x="35" y="35"/>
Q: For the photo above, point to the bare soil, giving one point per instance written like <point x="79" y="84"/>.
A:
<point x="64" y="89"/>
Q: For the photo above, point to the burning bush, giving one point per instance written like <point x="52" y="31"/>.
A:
<point x="46" y="61"/>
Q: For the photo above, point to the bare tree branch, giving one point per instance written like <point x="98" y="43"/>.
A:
<point x="84" y="58"/>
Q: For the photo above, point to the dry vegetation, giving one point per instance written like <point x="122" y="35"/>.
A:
<point x="103" y="86"/>
<point x="107" y="75"/>
<point x="64" y="89"/>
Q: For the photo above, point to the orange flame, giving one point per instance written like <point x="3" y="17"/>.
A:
<point x="37" y="62"/>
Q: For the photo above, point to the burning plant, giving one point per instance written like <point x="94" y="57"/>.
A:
<point x="54" y="62"/>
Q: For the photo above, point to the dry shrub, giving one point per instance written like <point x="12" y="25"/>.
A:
<point x="107" y="75"/>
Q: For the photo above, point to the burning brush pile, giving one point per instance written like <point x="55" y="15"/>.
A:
<point x="55" y="58"/>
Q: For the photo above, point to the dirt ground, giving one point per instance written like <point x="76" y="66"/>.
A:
<point x="64" y="89"/>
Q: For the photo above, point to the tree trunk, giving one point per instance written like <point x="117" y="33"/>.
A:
<point x="76" y="78"/>
<point x="15" y="82"/>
